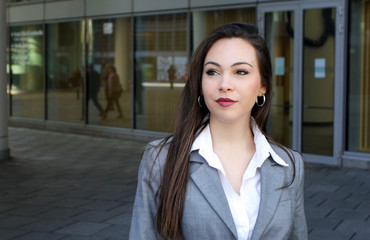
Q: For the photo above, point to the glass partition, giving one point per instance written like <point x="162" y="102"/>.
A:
<point x="27" y="71"/>
<point x="318" y="81"/>
<point x="204" y="22"/>
<point x="280" y="40"/>
<point x="65" y="71"/>
<point x="109" y="71"/>
<point x="358" y="107"/>
<point x="161" y="57"/>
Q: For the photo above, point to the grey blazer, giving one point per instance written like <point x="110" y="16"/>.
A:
<point x="206" y="212"/>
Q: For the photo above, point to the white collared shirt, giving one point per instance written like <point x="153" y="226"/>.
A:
<point x="244" y="207"/>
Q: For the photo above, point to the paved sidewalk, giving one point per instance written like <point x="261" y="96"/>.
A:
<point x="61" y="186"/>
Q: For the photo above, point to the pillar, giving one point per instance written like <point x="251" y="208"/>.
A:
<point x="4" y="149"/>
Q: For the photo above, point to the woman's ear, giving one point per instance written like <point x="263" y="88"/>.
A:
<point x="262" y="91"/>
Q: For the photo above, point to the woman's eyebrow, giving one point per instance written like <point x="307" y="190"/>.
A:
<point x="214" y="63"/>
<point x="241" y="63"/>
<point x="233" y="65"/>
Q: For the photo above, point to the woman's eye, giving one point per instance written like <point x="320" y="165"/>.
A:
<point x="242" y="72"/>
<point x="211" y="72"/>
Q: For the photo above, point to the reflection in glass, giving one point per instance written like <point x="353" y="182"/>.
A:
<point x="281" y="44"/>
<point x="358" y="117"/>
<point x="205" y="22"/>
<point x="161" y="56"/>
<point x="27" y="74"/>
<point x="318" y="81"/>
<point x="109" y="71"/>
<point x="65" y="71"/>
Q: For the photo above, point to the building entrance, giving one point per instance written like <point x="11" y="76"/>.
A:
<point x="306" y="42"/>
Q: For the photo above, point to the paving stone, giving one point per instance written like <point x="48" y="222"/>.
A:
<point x="96" y="216"/>
<point x="317" y="223"/>
<point x="70" y="202"/>
<point x="355" y="226"/>
<point x="48" y="225"/>
<point x="14" y="222"/>
<point x="61" y="213"/>
<point x="122" y="219"/>
<point x="29" y="210"/>
<point x="115" y="232"/>
<point x="84" y="238"/>
<point x="102" y="205"/>
<point x="83" y="228"/>
<point x="327" y="234"/>
<point x="11" y="233"/>
<point x="6" y="206"/>
<point x="39" y="236"/>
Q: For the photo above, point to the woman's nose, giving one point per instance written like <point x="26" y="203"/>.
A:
<point x="225" y="83"/>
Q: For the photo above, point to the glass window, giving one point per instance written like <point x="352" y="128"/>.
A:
<point x="161" y="57"/>
<point x="280" y="41"/>
<point x="109" y="71"/>
<point x="65" y="71"/>
<point x="27" y="71"/>
<point x="318" y="81"/>
<point x="205" y="22"/>
<point x="358" y="107"/>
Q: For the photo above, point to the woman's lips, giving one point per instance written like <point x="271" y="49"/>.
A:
<point x="225" y="102"/>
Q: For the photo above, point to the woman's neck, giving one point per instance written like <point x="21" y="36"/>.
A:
<point x="231" y="134"/>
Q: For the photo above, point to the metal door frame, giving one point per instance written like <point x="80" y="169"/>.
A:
<point x="341" y="17"/>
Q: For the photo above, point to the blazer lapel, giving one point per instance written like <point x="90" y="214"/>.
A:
<point x="207" y="180"/>
<point x="272" y="178"/>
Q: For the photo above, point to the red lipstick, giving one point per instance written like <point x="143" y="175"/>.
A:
<point x="225" y="102"/>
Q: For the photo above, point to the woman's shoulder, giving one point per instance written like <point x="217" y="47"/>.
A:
<point x="154" y="157"/>
<point x="293" y="158"/>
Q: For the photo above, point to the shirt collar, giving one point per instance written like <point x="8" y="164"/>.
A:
<point x="203" y="143"/>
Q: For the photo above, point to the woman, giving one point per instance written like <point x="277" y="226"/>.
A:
<point x="219" y="176"/>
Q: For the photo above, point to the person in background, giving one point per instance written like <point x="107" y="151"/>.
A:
<point x="93" y="80"/>
<point x="76" y="81"/>
<point x="114" y="91"/>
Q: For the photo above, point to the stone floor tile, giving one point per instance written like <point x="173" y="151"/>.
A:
<point x="14" y="222"/>
<point x="48" y="225"/>
<point x="95" y="216"/>
<point x="83" y="228"/>
<point x="115" y="232"/>
<point x="39" y="236"/>
<point x="61" y="213"/>
<point x="7" y="234"/>
<point x="327" y="234"/>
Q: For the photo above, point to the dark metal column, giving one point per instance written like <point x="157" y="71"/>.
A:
<point x="4" y="146"/>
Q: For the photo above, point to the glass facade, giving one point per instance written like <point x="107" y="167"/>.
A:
<point x="358" y="107"/>
<point x="318" y="81"/>
<point x="205" y="21"/>
<point x="109" y="47"/>
<point x="128" y="72"/>
<point x="27" y="71"/>
<point x="280" y="41"/>
<point x="161" y="57"/>
<point x="65" y="71"/>
<point x="81" y="55"/>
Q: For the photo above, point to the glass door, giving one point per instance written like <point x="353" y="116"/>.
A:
<point x="306" y="43"/>
<point x="281" y="44"/>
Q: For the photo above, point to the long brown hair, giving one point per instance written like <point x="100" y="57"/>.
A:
<point x="192" y="117"/>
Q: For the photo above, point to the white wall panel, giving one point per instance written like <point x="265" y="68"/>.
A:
<point x="212" y="3"/>
<point x="104" y="7"/>
<point x="24" y="13"/>
<point x="64" y="9"/>
<point x="155" y="5"/>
